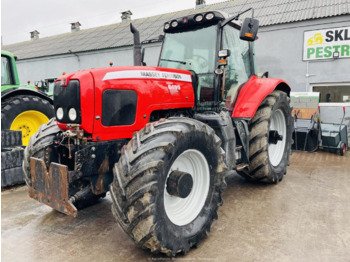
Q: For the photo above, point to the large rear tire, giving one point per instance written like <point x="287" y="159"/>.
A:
<point x="269" y="151"/>
<point x="26" y="114"/>
<point x="142" y="203"/>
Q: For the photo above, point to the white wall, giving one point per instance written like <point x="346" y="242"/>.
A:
<point x="279" y="50"/>
<point x="49" y="67"/>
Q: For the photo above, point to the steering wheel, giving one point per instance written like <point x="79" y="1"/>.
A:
<point x="200" y="60"/>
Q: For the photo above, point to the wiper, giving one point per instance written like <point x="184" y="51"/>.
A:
<point x="176" y="61"/>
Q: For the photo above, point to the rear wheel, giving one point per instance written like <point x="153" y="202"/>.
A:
<point x="270" y="139"/>
<point x="26" y="114"/>
<point x="168" y="183"/>
<point x="342" y="148"/>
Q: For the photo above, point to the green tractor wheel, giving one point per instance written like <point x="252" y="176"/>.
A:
<point x="26" y="114"/>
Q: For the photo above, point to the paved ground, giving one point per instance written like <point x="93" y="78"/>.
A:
<point x="304" y="218"/>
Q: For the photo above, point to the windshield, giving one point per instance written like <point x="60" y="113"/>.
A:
<point x="196" y="51"/>
<point x="51" y="85"/>
<point x="192" y="50"/>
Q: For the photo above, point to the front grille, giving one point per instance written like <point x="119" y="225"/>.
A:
<point x="118" y="107"/>
<point x="67" y="97"/>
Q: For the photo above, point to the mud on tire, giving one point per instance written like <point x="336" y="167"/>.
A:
<point x="140" y="198"/>
<point x="269" y="161"/>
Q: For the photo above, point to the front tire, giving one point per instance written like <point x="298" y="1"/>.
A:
<point x="269" y="151"/>
<point x="142" y="204"/>
<point x="37" y="145"/>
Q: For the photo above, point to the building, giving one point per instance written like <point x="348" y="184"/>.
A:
<point x="305" y="42"/>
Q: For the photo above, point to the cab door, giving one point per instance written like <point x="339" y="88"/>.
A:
<point x="238" y="69"/>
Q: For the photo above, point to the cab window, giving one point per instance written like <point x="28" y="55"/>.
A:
<point x="238" y="69"/>
<point x="195" y="51"/>
<point x="6" y="77"/>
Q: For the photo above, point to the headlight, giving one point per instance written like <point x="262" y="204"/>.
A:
<point x="59" y="113"/>
<point x="166" y="26"/>
<point x="209" y="16"/>
<point x="72" y="114"/>
<point x="174" y="23"/>
<point x="198" y="18"/>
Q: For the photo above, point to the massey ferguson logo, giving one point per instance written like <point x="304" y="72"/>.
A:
<point x="147" y="74"/>
<point x="174" y="88"/>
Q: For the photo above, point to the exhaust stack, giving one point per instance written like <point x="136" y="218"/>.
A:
<point x="137" y="46"/>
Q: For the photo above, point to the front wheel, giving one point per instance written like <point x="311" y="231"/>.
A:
<point x="270" y="139"/>
<point x="168" y="183"/>
<point x="37" y="147"/>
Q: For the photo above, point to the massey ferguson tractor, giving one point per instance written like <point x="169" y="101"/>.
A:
<point x="161" y="139"/>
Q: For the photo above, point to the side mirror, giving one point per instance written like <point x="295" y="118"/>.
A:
<point x="249" y="29"/>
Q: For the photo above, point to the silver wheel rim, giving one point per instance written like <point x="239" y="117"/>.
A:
<point x="276" y="151"/>
<point x="182" y="211"/>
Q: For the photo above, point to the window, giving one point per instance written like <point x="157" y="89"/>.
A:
<point x="6" y="77"/>
<point x="238" y="69"/>
<point x="196" y="51"/>
<point x="193" y="50"/>
<point x="333" y="93"/>
<point x="118" y="107"/>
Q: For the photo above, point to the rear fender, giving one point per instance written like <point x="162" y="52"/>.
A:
<point x="24" y="91"/>
<point x="253" y="93"/>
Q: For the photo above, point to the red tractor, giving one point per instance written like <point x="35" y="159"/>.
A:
<point x="161" y="139"/>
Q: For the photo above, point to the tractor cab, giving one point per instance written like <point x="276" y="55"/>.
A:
<point x="217" y="51"/>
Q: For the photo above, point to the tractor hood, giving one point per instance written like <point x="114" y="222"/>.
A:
<point x="119" y="100"/>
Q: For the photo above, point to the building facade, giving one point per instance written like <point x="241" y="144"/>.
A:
<point x="306" y="43"/>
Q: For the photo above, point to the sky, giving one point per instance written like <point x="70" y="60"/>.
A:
<point x="52" y="17"/>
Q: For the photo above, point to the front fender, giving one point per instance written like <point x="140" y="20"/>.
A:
<point x="253" y="93"/>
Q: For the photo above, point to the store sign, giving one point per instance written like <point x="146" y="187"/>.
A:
<point x="327" y="44"/>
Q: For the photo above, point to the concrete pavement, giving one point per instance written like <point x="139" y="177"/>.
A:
<point x="304" y="218"/>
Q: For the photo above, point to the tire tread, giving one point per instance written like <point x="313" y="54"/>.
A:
<point x="259" y="169"/>
<point x="136" y="177"/>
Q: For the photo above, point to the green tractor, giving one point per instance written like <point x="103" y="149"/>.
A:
<point x="23" y="110"/>
<point x="46" y="85"/>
